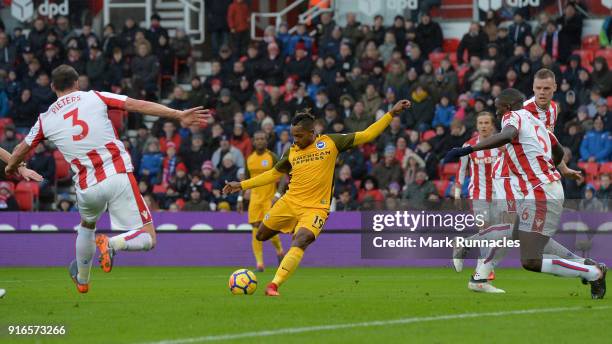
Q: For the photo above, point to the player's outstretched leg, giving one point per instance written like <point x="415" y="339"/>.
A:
<point x="85" y="250"/>
<point x="532" y="245"/>
<point x="257" y="248"/>
<point x="143" y="239"/>
<point x="301" y="240"/>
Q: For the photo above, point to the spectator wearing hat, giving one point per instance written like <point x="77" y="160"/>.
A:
<point x="420" y="115"/>
<point x="180" y="180"/>
<point x="597" y="143"/>
<point x="226" y="58"/>
<point x="7" y="199"/>
<point x="300" y="65"/>
<point x="155" y="31"/>
<point x="65" y="203"/>
<point x="165" y="55"/>
<point x="519" y="28"/>
<point x="170" y="162"/>
<point x="50" y="59"/>
<point x="238" y="21"/>
<point x="207" y="176"/>
<point x="389" y="170"/>
<point x="226" y="148"/>
<point x="595" y="100"/>
<point x="27" y="56"/>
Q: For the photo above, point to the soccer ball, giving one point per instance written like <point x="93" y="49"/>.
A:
<point x="242" y="282"/>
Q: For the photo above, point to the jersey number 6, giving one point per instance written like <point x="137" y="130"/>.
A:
<point x="77" y="122"/>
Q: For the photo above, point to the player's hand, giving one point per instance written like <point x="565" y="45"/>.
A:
<point x="400" y="106"/>
<point x="197" y="115"/>
<point x="29" y="175"/>
<point x="571" y="174"/>
<point x="457" y="152"/>
<point x="231" y="187"/>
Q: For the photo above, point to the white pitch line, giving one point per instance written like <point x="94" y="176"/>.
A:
<point x="413" y="320"/>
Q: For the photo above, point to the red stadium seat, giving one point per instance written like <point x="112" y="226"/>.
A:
<point x="26" y="194"/>
<point x="436" y="58"/>
<point x="590" y="42"/>
<point x="605" y="167"/>
<point x="159" y="189"/>
<point x="441" y="186"/>
<point x="62" y="167"/>
<point x="450" y="45"/>
<point x="590" y="168"/>
<point x="595" y="184"/>
<point x="449" y="170"/>
<point x="586" y="57"/>
<point x="609" y="99"/>
<point x="3" y="123"/>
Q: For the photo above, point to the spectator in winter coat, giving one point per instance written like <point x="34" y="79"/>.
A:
<point x="597" y="143"/>
<point x="389" y="170"/>
<point x="473" y="42"/>
<point x="226" y="148"/>
<point x="145" y="69"/>
<point x="25" y="112"/>
<point x="428" y="34"/>
<point x="418" y="191"/>
<point x="444" y="113"/>
<point x="570" y="33"/>
<point x="151" y="163"/>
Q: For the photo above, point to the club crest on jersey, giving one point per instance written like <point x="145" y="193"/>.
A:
<point x="264" y="163"/>
<point x="321" y="145"/>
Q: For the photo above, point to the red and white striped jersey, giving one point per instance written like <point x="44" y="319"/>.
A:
<point x="529" y="155"/>
<point x="480" y="165"/>
<point x="78" y="125"/>
<point x="547" y="116"/>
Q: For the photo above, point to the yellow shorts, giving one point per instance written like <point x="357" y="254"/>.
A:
<point x="257" y="211"/>
<point x="285" y="217"/>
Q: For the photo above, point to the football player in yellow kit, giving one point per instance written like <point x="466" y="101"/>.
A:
<point x="310" y="162"/>
<point x="262" y="197"/>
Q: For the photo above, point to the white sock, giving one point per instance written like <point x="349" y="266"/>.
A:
<point x="554" y="248"/>
<point x="85" y="250"/>
<point x="566" y="268"/>
<point x="489" y="262"/>
<point x="134" y="240"/>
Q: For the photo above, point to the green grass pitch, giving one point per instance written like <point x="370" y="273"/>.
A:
<point x="149" y="305"/>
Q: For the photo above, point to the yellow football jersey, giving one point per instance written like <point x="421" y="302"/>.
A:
<point x="257" y="164"/>
<point x="311" y="170"/>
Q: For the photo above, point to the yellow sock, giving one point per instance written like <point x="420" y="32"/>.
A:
<point x="288" y="265"/>
<point x="278" y="245"/>
<point x="257" y="248"/>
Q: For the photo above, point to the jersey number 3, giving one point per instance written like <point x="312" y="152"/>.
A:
<point x="77" y="122"/>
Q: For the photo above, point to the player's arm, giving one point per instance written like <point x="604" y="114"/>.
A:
<point x="196" y="115"/>
<point x="15" y="162"/>
<point x="268" y="177"/>
<point x="506" y="136"/>
<point x="558" y="154"/>
<point x="347" y="141"/>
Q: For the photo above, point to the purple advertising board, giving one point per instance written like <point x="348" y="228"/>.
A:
<point x="224" y="239"/>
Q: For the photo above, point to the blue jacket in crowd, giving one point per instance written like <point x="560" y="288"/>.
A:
<point x="597" y="144"/>
<point x="443" y="116"/>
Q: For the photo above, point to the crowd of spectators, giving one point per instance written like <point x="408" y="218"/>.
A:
<point x="348" y="76"/>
